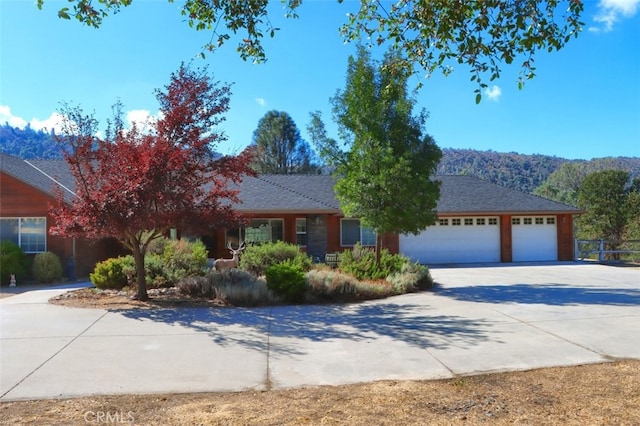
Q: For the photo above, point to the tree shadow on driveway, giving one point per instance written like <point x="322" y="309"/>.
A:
<point x="256" y="328"/>
<point x="546" y="294"/>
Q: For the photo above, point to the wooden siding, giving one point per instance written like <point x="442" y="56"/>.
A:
<point x="20" y="200"/>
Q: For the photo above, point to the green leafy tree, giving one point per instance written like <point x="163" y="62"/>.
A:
<point x="563" y="184"/>
<point x="611" y="203"/>
<point x="383" y="177"/>
<point x="632" y="231"/>
<point x="434" y="35"/>
<point x="279" y="147"/>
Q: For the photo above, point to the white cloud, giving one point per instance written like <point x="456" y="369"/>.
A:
<point x="53" y="122"/>
<point x="141" y="118"/>
<point x="7" y="117"/>
<point x="493" y="93"/>
<point x="611" y="11"/>
<point x="261" y="101"/>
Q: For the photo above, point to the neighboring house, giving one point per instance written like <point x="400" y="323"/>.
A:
<point x="478" y="221"/>
<point x="26" y="191"/>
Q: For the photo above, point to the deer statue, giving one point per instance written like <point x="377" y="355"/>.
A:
<point x="223" y="264"/>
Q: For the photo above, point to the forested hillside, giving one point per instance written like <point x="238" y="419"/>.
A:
<point x="520" y="171"/>
<point x="28" y="143"/>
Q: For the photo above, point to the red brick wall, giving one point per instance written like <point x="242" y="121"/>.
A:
<point x="565" y="237"/>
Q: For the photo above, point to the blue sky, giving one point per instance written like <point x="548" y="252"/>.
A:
<point x="584" y="102"/>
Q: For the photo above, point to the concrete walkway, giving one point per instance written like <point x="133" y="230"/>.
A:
<point x="478" y="319"/>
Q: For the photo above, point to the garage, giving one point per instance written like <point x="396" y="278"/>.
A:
<point x="455" y="240"/>
<point x="534" y="238"/>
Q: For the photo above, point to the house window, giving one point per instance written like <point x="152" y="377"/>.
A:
<point x="301" y="231"/>
<point x="30" y="233"/>
<point x="551" y="221"/>
<point x="456" y="222"/>
<point x="468" y="221"/>
<point x="493" y="221"/>
<point x="443" y="222"/>
<point x="515" y="221"/>
<point x="539" y="221"/>
<point x="258" y="231"/>
<point x="351" y="232"/>
<point x="528" y="221"/>
<point x="480" y="221"/>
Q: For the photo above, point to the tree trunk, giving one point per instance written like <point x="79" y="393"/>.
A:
<point x="138" y="256"/>
<point x="378" y="244"/>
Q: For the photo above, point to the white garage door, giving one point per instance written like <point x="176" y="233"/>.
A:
<point x="455" y="240"/>
<point x="534" y="238"/>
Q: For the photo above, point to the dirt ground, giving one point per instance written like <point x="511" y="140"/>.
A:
<point x="597" y="394"/>
<point x="600" y="394"/>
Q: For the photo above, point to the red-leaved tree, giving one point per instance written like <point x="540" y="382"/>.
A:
<point x="135" y="185"/>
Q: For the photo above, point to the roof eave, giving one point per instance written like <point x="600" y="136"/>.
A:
<point x="509" y="213"/>
<point x="288" y="211"/>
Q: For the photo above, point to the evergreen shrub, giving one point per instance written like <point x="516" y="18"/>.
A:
<point x="12" y="261"/>
<point x="361" y="263"/>
<point x="258" y="258"/>
<point x="47" y="267"/>
<point x="109" y="274"/>
<point x="287" y="279"/>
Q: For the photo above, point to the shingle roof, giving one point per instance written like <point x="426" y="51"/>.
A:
<point x="314" y="193"/>
<point x="41" y="174"/>
<point x="467" y="194"/>
<point x="288" y="193"/>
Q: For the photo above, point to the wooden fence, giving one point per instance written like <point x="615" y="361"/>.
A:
<point x="606" y="249"/>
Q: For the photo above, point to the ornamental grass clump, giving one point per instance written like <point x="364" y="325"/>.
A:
<point x="196" y="287"/>
<point x="330" y="284"/>
<point x="231" y="287"/>
<point x="326" y="285"/>
<point x="412" y="277"/>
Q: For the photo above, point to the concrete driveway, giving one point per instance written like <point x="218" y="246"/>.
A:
<point x="478" y="319"/>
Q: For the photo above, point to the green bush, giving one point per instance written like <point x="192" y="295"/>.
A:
<point x="167" y="262"/>
<point x="156" y="272"/>
<point x="47" y="267"/>
<point x="257" y="259"/>
<point x="183" y="259"/>
<point x="109" y="274"/>
<point x="12" y="261"/>
<point x="286" y="279"/>
<point x="361" y="263"/>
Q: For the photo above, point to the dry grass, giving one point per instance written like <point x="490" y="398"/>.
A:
<point x="600" y="394"/>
